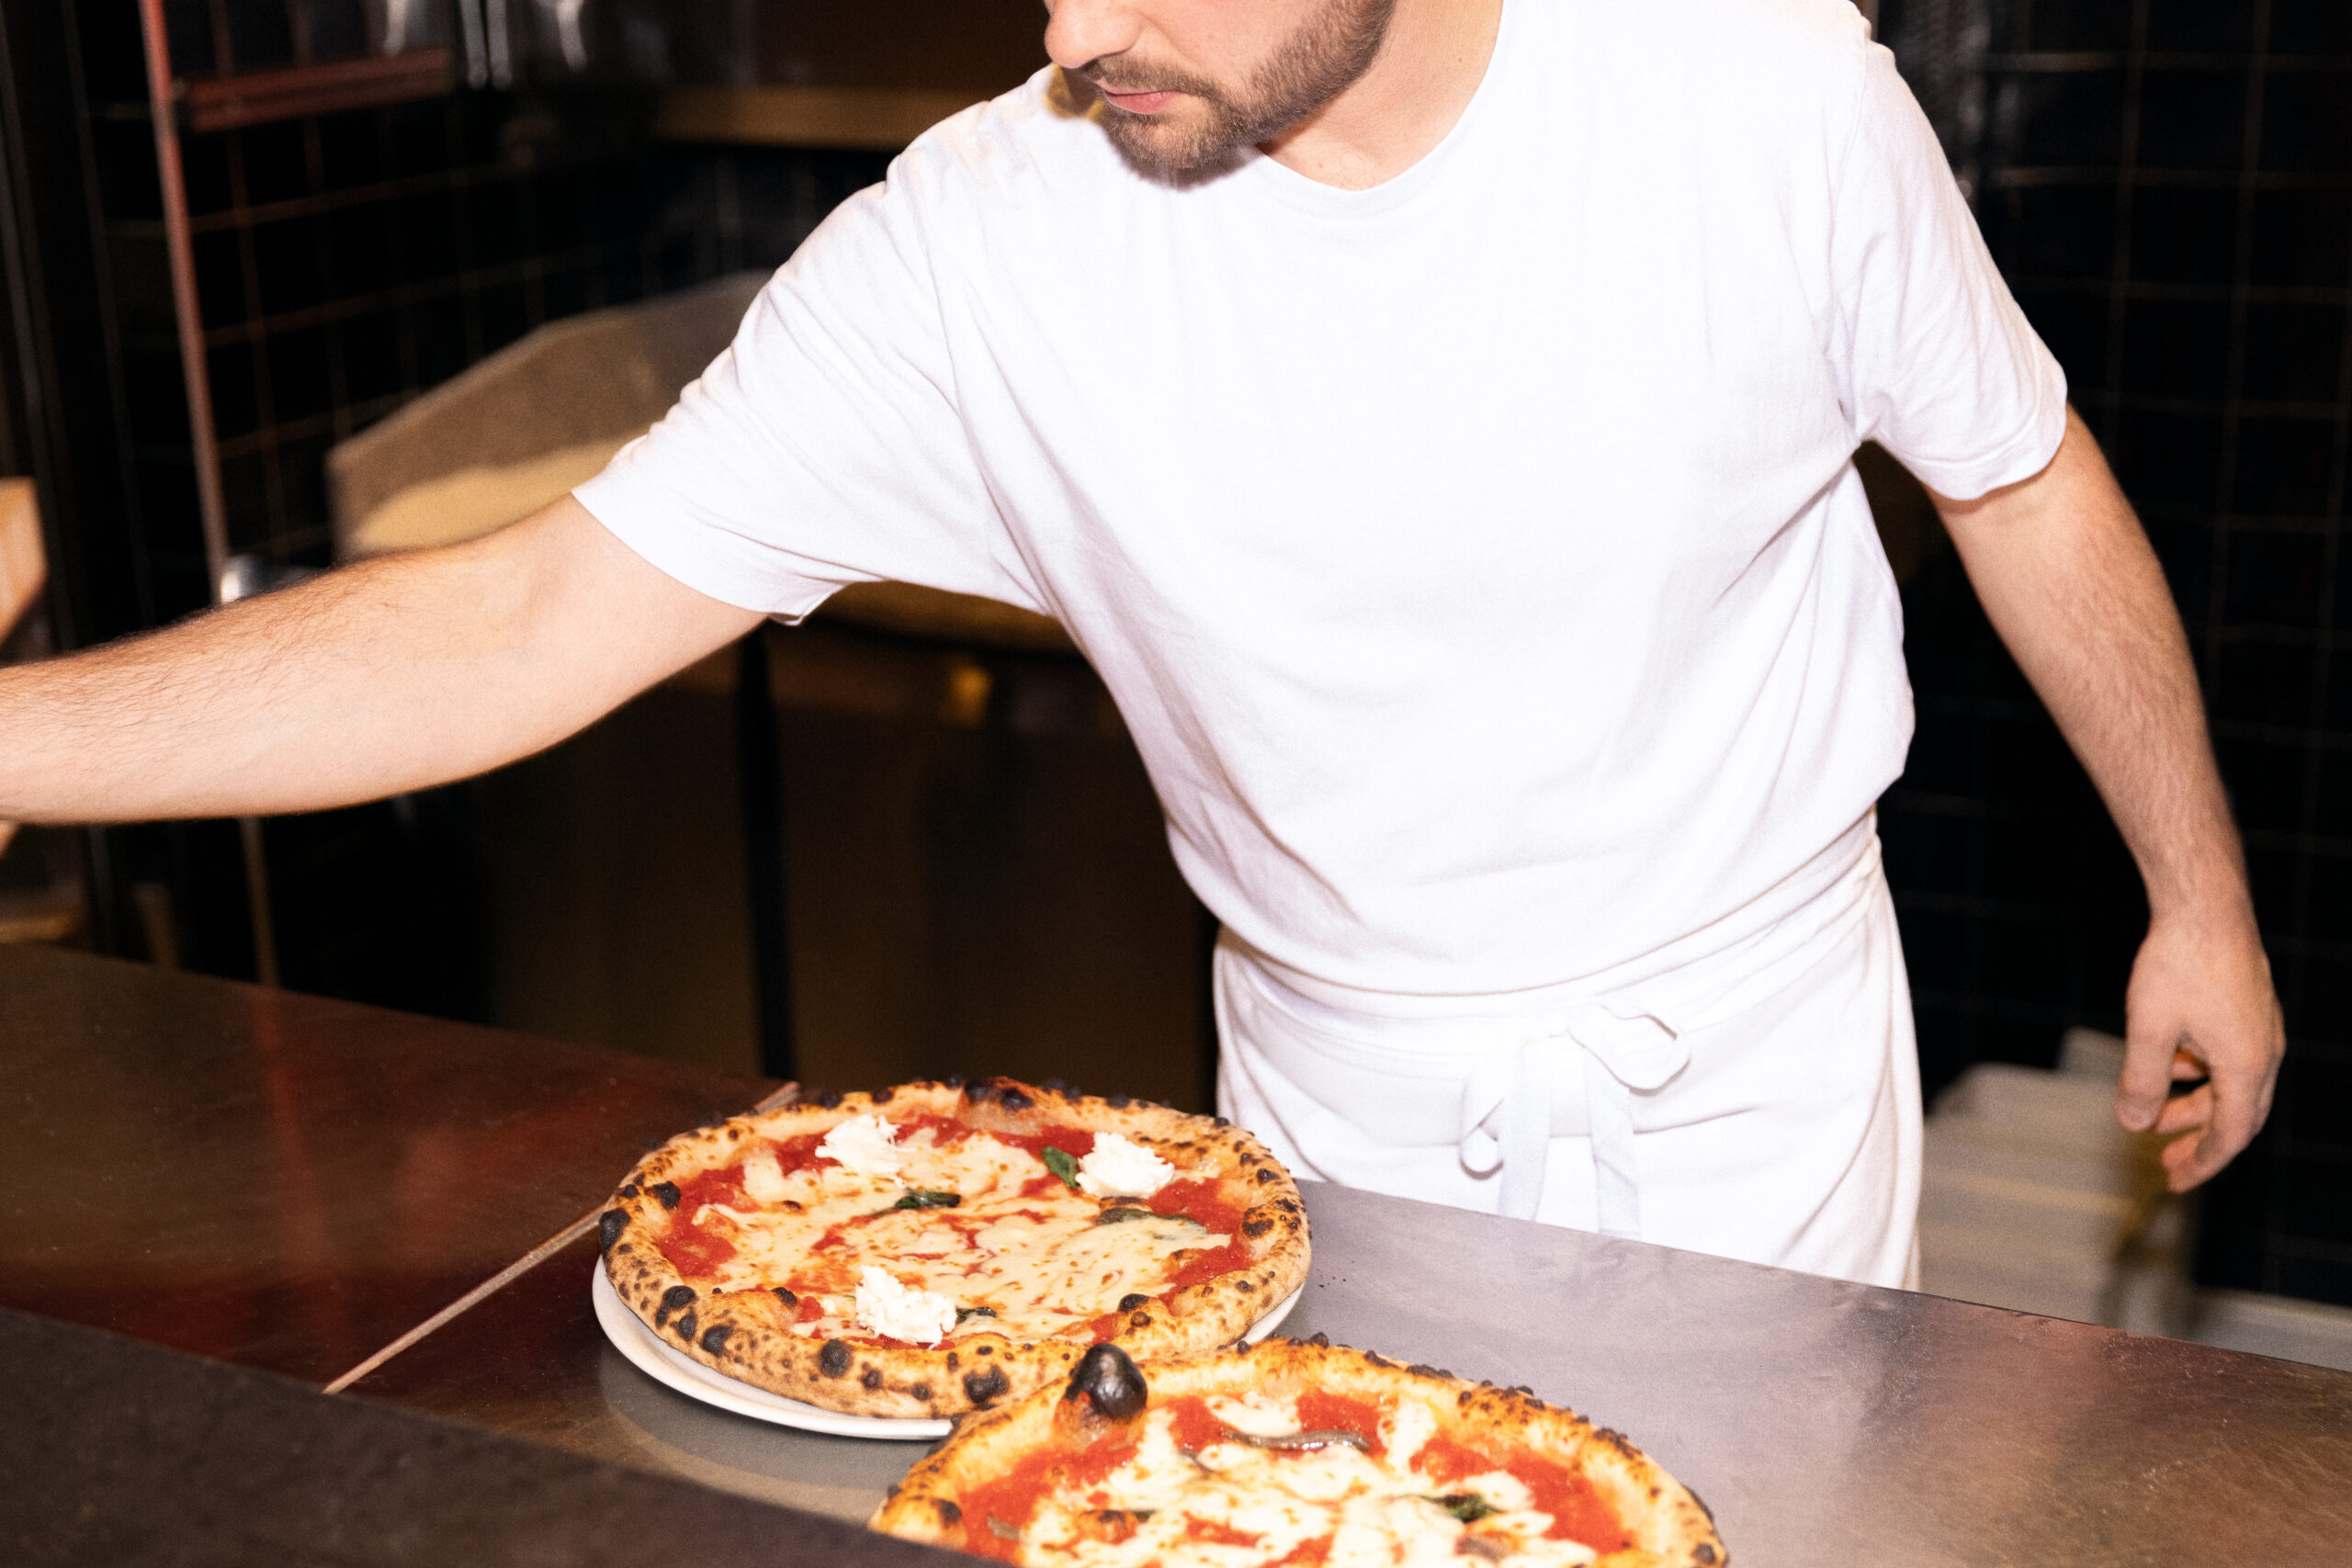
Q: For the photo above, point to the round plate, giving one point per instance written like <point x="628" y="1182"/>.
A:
<point x="650" y="1355"/>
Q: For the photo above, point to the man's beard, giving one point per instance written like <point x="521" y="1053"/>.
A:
<point x="1325" y="58"/>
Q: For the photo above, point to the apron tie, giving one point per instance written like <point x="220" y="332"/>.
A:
<point x="1507" y="1099"/>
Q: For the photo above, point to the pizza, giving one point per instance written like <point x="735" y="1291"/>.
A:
<point x="940" y="1247"/>
<point x="1293" y="1452"/>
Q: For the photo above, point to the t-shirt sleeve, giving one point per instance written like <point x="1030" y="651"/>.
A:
<point x="824" y="447"/>
<point x="1940" y="364"/>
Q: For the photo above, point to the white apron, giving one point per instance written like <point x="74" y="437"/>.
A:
<point x="1755" y="1099"/>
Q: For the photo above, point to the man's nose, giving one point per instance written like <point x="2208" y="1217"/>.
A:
<point x="1080" y="31"/>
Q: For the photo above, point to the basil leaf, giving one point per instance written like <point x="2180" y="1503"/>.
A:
<point x="1120" y="1215"/>
<point x="924" y="1198"/>
<point x="1468" y="1506"/>
<point x="1061" y="1164"/>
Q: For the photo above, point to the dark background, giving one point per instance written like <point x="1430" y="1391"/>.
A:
<point x="2167" y="186"/>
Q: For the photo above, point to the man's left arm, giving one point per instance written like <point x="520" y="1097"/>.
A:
<point x="2066" y="575"/>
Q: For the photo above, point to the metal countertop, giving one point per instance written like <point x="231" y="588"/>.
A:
<point x="289" y="1184"/>
<point x="1822" y="1422"/>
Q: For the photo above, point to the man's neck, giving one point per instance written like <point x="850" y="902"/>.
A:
<point x="1428" y="69"/>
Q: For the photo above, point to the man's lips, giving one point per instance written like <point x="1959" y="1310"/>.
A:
<point x="1137" y="102"/>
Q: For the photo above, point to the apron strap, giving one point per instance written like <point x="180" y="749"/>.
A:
<point x="1506" y="1117"/>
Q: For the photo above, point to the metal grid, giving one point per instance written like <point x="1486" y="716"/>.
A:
<point x="2168" y="187"/>
<point x="345" y="260"/>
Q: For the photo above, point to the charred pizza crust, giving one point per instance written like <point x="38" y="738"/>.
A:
<point x="747" y="1334"/>
<point x="1664" y="1524"/>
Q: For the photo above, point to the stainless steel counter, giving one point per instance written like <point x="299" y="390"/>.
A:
<point x="1822" y="1422"/>
<point x="290" y="1183"/>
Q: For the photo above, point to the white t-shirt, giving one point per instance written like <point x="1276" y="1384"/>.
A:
<point x="1477" y="559"/>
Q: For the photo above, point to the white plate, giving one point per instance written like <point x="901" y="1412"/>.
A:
<point x="656" y="1359"/>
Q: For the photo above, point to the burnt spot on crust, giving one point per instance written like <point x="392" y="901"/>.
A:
<point x="827" y="1098"/>
<point x="1014" y="1099"/>
<point x="919" y="1391"/>
<point x="1703" y="1508"/>
<point x="1421" y="1369"/>
<point x="791" y="1301"/>
<point x="1319" y="1339"/>
<point x="609" y="1226"/>
<point x="1258" y="1226"/>
<point x="628" y="1189"/>
<point x="983" y="1350"/>
<point x="685" y="1326"/>
<point x="954" y="1360"/>
<point x="833" y="1358"/>
<point x="982" y="1386"/>
<point x="1375" y="1358"/>
<point x="667" y="1191"/>
<point x="871" y="1377"/>
<point x="882" y="1096"/>
<point x="1133" y="1299"/>
<point x="1264" y="1174"/>
<point x="1287" y="1205"/>
<point x="1118" y="1103"/>
<point x="952" y="1080"/>
<point x="1702" y="1552"/>
<point x="1219" y="1122"/>
<point x="1056" y="1084"/>
<point x="672" y="1300"/>
<point x="949" y="1514"/>
<point x="1140" y="1320"/>
<point x="980" y="1091"/>
<point x="714" y="1339"/>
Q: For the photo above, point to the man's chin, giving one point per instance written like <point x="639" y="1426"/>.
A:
<point x="1168" y="146"/>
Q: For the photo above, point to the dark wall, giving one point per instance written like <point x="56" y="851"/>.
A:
<point x="2167" y="186"/>
<point x="346" y="262"/>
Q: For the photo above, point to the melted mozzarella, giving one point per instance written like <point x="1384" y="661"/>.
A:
<point x="901" y="1312"/>
<point x="1374" y="1511"/>
<point x="1038" y="1260"/>
<point x="1119" y="1168"/>
<point x="865" y="1145"/>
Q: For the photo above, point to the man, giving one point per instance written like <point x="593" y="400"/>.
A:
<point x="1434" y="419"/>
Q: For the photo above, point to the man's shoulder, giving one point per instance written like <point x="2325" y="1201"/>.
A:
<point x="1733" y="52"/>
<point x="1036" y="140"/>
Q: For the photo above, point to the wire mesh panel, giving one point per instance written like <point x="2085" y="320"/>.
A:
<point x="2167" y="186"/>
<point x="371" y="208"/>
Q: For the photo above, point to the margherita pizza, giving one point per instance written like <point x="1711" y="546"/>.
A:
<point x="1293" y="1452"/>
<point x="936" y="1248"/>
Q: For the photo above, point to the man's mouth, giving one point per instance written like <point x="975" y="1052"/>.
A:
<point x="1147" y="102"/>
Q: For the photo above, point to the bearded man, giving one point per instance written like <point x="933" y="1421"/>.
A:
<point x="1434" y="419"/>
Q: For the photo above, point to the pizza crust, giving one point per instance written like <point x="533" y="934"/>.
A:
<point x="746" y="1334"/>
<point x="1666" y="1524"/>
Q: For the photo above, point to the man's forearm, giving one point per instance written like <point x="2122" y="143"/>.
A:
<point x="380" y="677"/>
<point x="2067" y="578"/>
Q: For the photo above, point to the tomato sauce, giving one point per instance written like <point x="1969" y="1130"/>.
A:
<point x="1322" y="1412"/>
<point x="1192" y="1424"/>
<point x="1217" y="1534"/>
<point x="1579" y="1513"/>
<point x="1012" y="1498"/>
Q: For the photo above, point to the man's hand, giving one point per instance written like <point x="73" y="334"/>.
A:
<point x="2200" y="1006"/>
<point x="387" y="676"/>
<point x="2068" y="580"/>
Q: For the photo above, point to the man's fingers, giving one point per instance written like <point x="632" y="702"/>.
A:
<point x="2141" y="1092"/>
<point x="2184" y="1112"/>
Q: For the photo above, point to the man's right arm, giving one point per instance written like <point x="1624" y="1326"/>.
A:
<point x="384" y="677"/>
